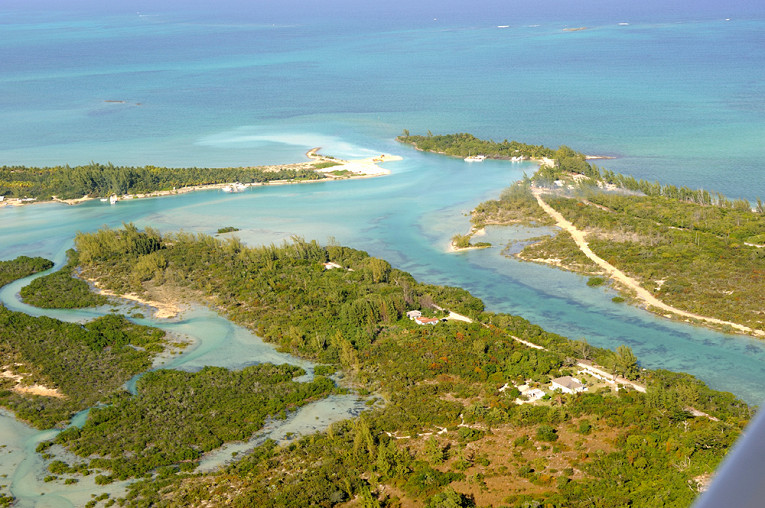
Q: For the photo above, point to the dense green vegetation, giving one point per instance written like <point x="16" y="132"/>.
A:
<point x="657" y="450"/>
<point x="461" y="241"/>
<point x="61" y="290"/>
<point x="84" y="362"/>
<point x="516" y="205"/>
<point x="282" y="291"/>
<point x="464" y="144"/>
<point x="227" y="229"/>
<point x="176" y="416"/>
<point x="21" y="267"/>
<point x="96" y="179"/>
<point x="644" y="449"/>
<point x="441" y="434"/>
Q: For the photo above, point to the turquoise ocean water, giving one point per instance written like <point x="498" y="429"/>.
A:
<point x="678" y="96"/>
<point x="674" y="95"/>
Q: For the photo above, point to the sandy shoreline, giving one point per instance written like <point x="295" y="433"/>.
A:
<point x="344" y="170"/>
<point x="163" y="310"/>
<point x="454" y="248"/>
<point x="35" y="389"/>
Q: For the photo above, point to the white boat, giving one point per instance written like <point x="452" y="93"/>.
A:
<point x="113" y="199"/>
<point x="519" y="158"/>
<point x="104" y="200"/>
<point x="234" y="187"/>
<point x="475" y="158"/>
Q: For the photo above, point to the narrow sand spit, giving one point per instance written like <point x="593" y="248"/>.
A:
<point x="360" y="168"/>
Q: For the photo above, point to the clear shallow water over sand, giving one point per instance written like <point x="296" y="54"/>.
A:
<point x="676" y="97"/>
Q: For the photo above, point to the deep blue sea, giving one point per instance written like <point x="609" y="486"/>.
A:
<point x="673" y="92"/>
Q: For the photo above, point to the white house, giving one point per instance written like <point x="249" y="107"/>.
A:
<point x="534" y="394"/>
<point x="531" y="393"/>
<point x="567" y="384"/>
<point x="417" y="317"/>
<point x="549" y="162"/>
<point x="528" y="394"/>
<point x="422" y="320"/>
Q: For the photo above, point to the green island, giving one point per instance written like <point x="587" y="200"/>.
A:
<point x="464" y="145"/>
<point x="61" y="290"/>
<point x="687" y="253"/>
<point x="96" y="180"/>
<point x="22" y="266"/>
<point x="453" y="417"/>
<point x="462" y="242"/>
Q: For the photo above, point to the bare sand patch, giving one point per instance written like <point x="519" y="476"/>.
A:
<point x="41" y="390"/>
<point x="164" y="309"/>
<point x="35" y="389"/>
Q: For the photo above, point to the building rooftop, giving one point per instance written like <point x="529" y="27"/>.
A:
<point x="568" y="382"/>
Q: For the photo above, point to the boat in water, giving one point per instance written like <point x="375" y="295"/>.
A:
<point x="113" y="199"/>
<point x="234" y="187"/>
<point x="475" y="158"/>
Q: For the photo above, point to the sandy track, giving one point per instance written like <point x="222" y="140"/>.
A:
<point x="641" y="293"/>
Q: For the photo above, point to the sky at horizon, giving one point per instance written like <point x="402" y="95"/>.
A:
<point x="447" y="11"/>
